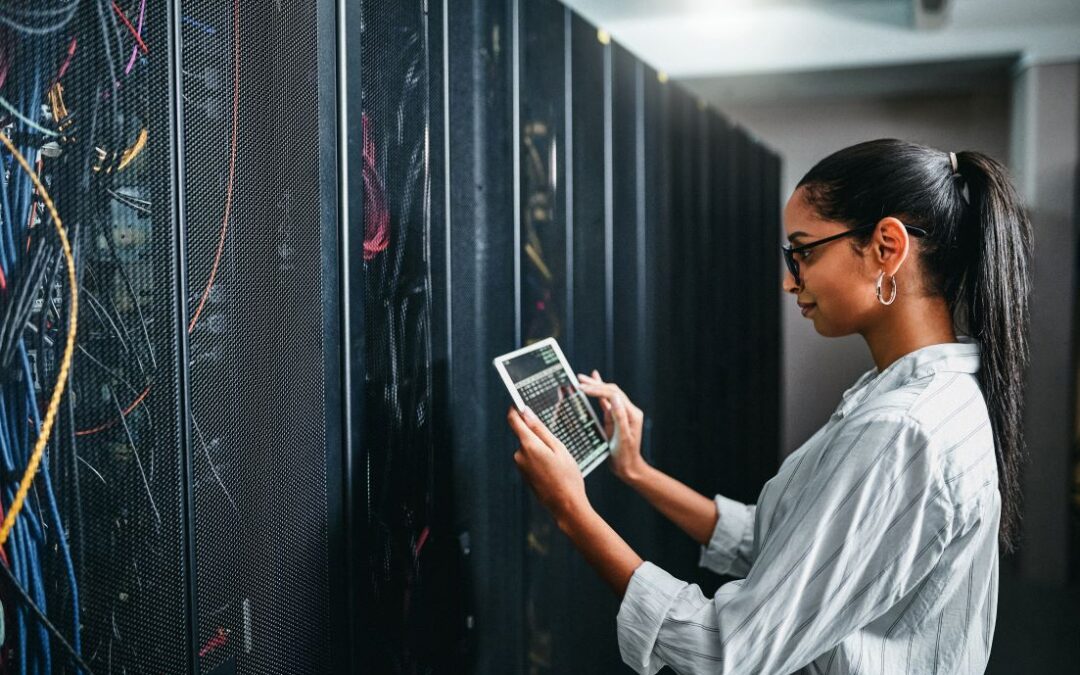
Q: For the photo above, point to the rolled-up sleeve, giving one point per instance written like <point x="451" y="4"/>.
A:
<point x="841" y="556"/>
<point x="730" y="548"/>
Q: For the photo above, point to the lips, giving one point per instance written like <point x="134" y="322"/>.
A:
<point x="806" y="307"/>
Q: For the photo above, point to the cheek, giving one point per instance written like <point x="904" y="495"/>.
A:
<point x="842" y="302"/>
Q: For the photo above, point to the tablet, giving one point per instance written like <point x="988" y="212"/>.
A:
<point x="538" y="376"/>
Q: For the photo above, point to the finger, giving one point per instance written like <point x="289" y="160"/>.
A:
<point x="606" y="393"/>
<point x="528" y="438"/>
<point x="540" y="430"/>
<point x="612" y="398"/>
<point x="635" y="412"/>
<point x="598" y="390"/>
<point x="596" y="374"/>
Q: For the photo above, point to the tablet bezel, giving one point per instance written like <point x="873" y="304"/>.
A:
<point x="520" y="404"/>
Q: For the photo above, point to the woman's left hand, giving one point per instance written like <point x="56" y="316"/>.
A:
<point x="547" y="466"/>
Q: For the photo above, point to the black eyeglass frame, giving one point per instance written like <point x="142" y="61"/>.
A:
<point x="790" y="251"/>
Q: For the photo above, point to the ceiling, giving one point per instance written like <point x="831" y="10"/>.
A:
<point x="734" y="38"/>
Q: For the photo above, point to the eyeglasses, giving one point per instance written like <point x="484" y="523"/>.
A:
<point x="790" y="251"/>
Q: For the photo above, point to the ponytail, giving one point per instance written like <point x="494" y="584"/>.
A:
<point x="995" y="288"/>
<point x="977" y="255"/>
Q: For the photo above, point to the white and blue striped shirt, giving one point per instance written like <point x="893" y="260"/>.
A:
<point x="873" y="550"/>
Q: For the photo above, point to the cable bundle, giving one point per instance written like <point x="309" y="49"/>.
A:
<point x="71" y="134"/>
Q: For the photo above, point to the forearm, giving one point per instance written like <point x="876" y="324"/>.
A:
<point x="693" y="512"/>
<point x="603" y="548"/>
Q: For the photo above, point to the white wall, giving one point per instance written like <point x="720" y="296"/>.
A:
<point x="817" y="370"/>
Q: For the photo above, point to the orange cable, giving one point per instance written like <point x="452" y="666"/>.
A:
<point x="232" y="168"/>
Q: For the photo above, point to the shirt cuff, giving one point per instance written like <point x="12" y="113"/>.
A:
<point x="648" y="598"/>
<point x="734" y="530"/>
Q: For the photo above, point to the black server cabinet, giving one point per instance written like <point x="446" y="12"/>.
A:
<point x="196" y="458"/>
<point x="546" y="287"/>
<point x="409" y="590"/>
<point x="630" y="171"/>
<point x="259" y="222"/>
<point x="483" y="308"/>
<point x="112" y="474"/>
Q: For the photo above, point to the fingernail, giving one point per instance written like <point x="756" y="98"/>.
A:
<point x="529" y="414"/>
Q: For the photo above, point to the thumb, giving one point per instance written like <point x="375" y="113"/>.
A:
<point x="537" y="426"/>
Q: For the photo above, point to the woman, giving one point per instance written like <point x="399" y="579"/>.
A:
<point x="875" y="548"/>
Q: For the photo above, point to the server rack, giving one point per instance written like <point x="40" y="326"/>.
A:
<point x="631" y="212"/>
<point x="546" y="283"/>
<point x="260" y="250"/>
<point x="202" y="535"/>
<point x="484" y="183"/>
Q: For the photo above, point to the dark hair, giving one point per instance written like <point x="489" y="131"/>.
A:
<point x="977" y="255"/>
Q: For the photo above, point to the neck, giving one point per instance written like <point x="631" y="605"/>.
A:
<point x="906" y="325"/>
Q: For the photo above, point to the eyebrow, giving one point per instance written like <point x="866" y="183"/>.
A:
<point x="795" y="235"/>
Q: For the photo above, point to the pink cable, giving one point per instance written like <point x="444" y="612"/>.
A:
<point x="4" y="62"/>
<point x="376" y="210"/>
<point x="135" y="48"/>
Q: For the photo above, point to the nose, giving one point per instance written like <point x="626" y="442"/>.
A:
<point x="789" y="284"/>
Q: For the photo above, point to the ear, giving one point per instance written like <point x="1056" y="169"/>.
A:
<point x="890" y="245"/>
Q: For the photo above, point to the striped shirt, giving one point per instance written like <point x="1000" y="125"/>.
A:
<point x="873" y="550"/>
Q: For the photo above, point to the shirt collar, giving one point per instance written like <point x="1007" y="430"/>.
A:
<point x="959" y="357"/>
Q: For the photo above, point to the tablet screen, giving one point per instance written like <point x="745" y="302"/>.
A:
<point x="543" y="382"/>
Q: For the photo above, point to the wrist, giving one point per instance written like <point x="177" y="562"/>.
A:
<point x="573" y="515"/>
<point x="636" y="474"/>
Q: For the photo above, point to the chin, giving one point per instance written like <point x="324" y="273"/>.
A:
<point x="825" y="329"/>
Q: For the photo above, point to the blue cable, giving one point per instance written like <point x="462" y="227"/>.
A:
<point x="9" y="215"/>
<point x="38" y="577"/>
<point x="28" y="541"/>
<point x="16" y="560"/>
<point x="5" y="440"/>
<point x="65" y="552"/>
<point x="28" y="377"/>
<point x="50" y="498"/>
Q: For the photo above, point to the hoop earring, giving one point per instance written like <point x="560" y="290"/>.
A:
<point x="882" y="300"/>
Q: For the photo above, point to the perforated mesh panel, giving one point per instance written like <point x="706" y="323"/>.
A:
<point x="546" y="290"/>
<point x="112" y="465"/>
<point x="258" y="411"/>
<point x="397" y="435"/>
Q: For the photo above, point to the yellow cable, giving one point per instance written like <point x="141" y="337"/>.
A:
<point x="127" y="155"/>
<point x="69" y="348"/>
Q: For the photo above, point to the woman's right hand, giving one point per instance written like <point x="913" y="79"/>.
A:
<point x="622" y="422"/>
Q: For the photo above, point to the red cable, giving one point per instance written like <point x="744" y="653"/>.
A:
<point x="110" y="424"/>
<point x="218" y="640"/>
<point x="67" y="61"/>
<point x="131" y="28"/>
<point x="232" y="167"/>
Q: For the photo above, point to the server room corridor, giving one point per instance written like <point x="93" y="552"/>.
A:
<point x="294" y="297"/>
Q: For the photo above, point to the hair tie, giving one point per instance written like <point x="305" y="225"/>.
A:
<point x="964" y="193"/>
